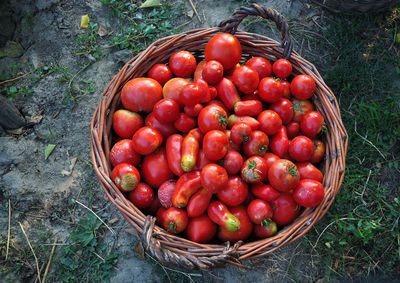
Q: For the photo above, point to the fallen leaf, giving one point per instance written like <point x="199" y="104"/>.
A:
<point x="131" y="231"/>
<point x="36" y="118"/>
<point x="71" y="168"/>
<point x="190" y="13"/>
<point x="85" y="21"/>
<point x="17" y="132"/>
<point x="151" y="4"/>
<point x="103" y="30"/>
<point x="12" y="49"/>
<point x="112" y="221"/>
<point x="139" y="249"/>
<point x="49" y="149"/>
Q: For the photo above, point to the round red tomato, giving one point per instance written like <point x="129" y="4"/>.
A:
<point x="233" y="162"/>
<point x="284" y="108"/>
<point x="266" y="229"/>
<point x="240" y="132"/>
<point x="312" y="124"/>
<point x="125" y="176"/>
<point x="246" y="79"/>
<point x="201" y="229"/>
<point x="232" y="146"/>
<point x="198" y="73"/>
<point x="166" y="129"/>
<point x="234" y="192"/>
<point x="319" y="151"/>
<point x="212" y="117"/>
<point x="301" y="148"/>
<point x="257" y="144"/>
<point x="166" y="110"/>
<point x="173" y="87"/>
<point x="283" y="175"/>
<point x="213" y="72"/>
<point x="286" y="89"/>
<point x="285" y="209"/>
<point x="191" y="94"/>
<point x="270" y="90"/>
<point x="126" y="123"/>
<point x="259" y="210"/>
<point x="175" y="220"/>
<point x="309" y="171"/>
<point x="254" y="169"/>
<point x="123" y="152"/>
<point x="155" y="170"/>
<point x="166" y="192"/>
<point x="182" y="64"/>
<point x="261" y="65"/>
<point x="309" y="193"/>
<point x="193" y="111"/>
<point x="282" y="68"/>
<point x="246" y="227"/>
<point x="140" y="94"/>
<point x="142" y="196"/>
<point x="161" y="73"/>
<point x="293" y="129"/>
<point x="215" y="144"/>
<point x="270" y="158"/>
<point x="224" y="48"/>
<point x="184" y="123"/>
<point x="213" y="177"/>
<point x="301" y="107"/>
<point x="270" y="122"/>
<point x="302" y="87"/>
<point x="146" y="140"/>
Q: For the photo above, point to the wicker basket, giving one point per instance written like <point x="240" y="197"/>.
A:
<point x="173" y="249"/>
<point x="352" y="7"/>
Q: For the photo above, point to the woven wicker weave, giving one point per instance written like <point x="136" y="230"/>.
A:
<point x="175" y="250"/>
<point x="351" y="7"/>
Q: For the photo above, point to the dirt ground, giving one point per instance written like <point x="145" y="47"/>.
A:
<point x="41" y="197"/>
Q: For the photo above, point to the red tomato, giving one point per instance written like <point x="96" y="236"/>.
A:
<point x="214" y="177"/>
<point x="142" y="196"/>
<point x="190" y="151"/>
<point x="254" y="169"/>
<point x="182" y="64"/>
<point x="213" y="72"/>
<point x="252" y="96"/>
<point x="246" y="79"/>
<point x="140" y="94"/>
<point x="259" y="210"/>
<point x="301" y="107"/>
<point x="175" y="220"/>
<point x="224" y="48"/>
<point x="198" y="203"/>
<point x="253" y="123"/>
<point x="187" y="185"/>
<point x="166" y="129"/>
<point x="198" y="73"/>
<point x="123" y="152"/>
<point x="257" y="144"/>
<point x="240" y="132"/>
<point x="146" y="140"/>
<point x="201" y="229"/>
<point x="282" y="68"/>
<point x="270" y="122"/>
<point x="215" y="144"/>
<point x="301" y="148"/>
<point x="267" y="228"/>
<point x="125" y="176"/>
<point x="270" y="90"/>
<point x="219" y="214"/>
<point x="286" y="89"/>
<point x="202" y="160"/>
<point x="212" y="117"/>
<point x="233" y="162"/>
<point x="160" y="215"/>
<point x="213" y="92"/>
<point x="246" y="227"/>
<point x="191" y="94"/>
<point x="302" y="87"/>
<point x="284" y="108"/>
<point x="174" y="153"/>
<point x="312" y="124"/>
<point x="166" y="110"/>
<point x="166" y="192"/>
<point x="154" y="207"/>
<point x="126" y="123"/>
<point x="270" y="158"/>
<point x="234" y="192"/>
<point x="155" y="170"/>
<point x="193" y="111"/>
<point x="248" y="108"/>
<point x="206" y="95"/>
<point x="184" y="123"/>
<point x="261" y="65"/>
<point x="285" y="209"/>
<point x="279" y="143"/>
<point x="228" y="93"/>
<point x="309" y="171"/>
<point x="283" y="175"/>
<point x="232" y="146"/>
<point x="265" y="192"/>
<point x="319" y="151"/>
<point x="309" y="193"/>
<point x="161" y="73"/>
<point x="293" y="129"/>
<point x="173" y="87"/>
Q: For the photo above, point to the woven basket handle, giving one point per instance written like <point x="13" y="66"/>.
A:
<point x="230" y="25"/>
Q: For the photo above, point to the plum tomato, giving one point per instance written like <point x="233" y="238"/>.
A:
<point x="215" y="145"/>
<point x="284" y="108"/>
<point x="233" y="162"/>
<point x="319" y="151"/>
<point x="283" y="175"/>
<point x="270" y="90"/>
<point x="228" y="93"/>
<point x="173" y="87"/>
<point x="270" y="122"/>
<point x="293" y="129"/>
<point x="161" y="73"/>
<point x="252" y="122"/>
<point x="201" y="229"/>
<point x="166" y="192"/>
<point x="182" y="63"/>
<point x="246" y="79"/>
<point x="166" y="129"/>
<point x="240" y="133"/>
<point x="187" y="185"/>
<point x="267" y="228"/>
<point x="220" y="214"/>
<point x="126" y="123"/>
<point x="301" y="107"/>
<point x="265" y="192"/>
<point x="248" y="107"/>
<point x="254" y="169"/>
<point x="123" y="152"/>
<point x="257" y="144"/>
<point x="166" y="110"/>
<point x="302" y="87"/>
<point x="184" y="123"/>
<point x="285" y="209"/>
<point x="212" y="117"/>
<point x="175" y="220"/>
<point x="309" y="193"/>
<point x="198" y="203"/>
<point x="214" y="177"/>
<point x="224" y="48"/>
<point x="234" y="192"/>
<point x="155" y="170"/>
<point x="261" y="65"/>
<point x="201" y="160"/>
<point x="191" y="94"/>
<point x="279" y="143"/>
<point x="125" y="176"/>
<point x="146" y="140"/>
<point x="282" y="68"/>
<point x="301" y="148"/>
<point x="140" y="94"/>
<point x="142" y="196"/>
<point x="246" y="227"/>
<point x="259" y="210"/>
<point x="213" y="72"/>
<point x="309" y="171"/>
<point x="312" y="124"/>
<point x="190" y="151"/>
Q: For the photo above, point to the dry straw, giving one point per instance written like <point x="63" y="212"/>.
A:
<point x="176" y="250"/>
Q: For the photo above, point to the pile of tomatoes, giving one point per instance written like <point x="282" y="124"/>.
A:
<point x="219" y="150"/>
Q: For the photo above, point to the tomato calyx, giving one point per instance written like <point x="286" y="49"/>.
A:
<point x="251" y="165"/>
<point x="222" y="119"/>
<point x="245" y="139"/>
<point x="171" y="226"/>
<point x="293" y="171"/>
<point x="266" y="222"/>
<point x="262" y="150"/>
